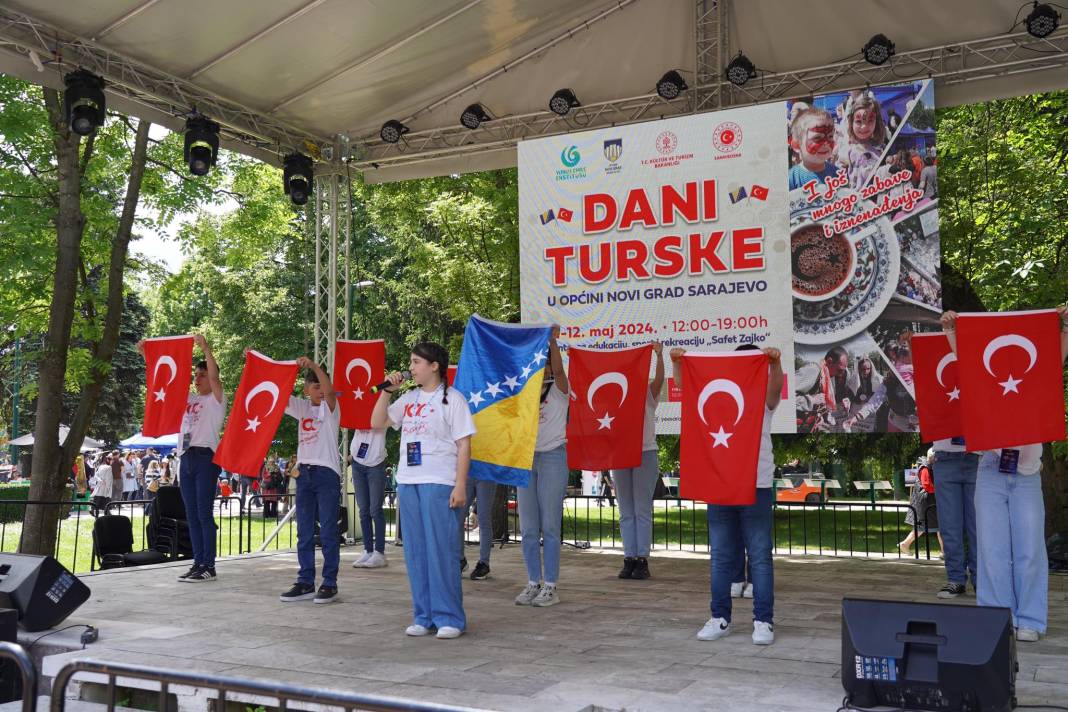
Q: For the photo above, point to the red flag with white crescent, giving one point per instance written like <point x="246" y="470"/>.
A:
<point x="937" y="387"/>
<point x="259" y="404"/>
<point x="168" y="374"/>
<point x="1011" y="381"/>
<point x="724" y="399"/>
<point x="608" y="391"/>
<point x="358" y="366"/>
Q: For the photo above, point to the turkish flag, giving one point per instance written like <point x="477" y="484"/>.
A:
<point x="358" y="366"/>
<point x="450" y="374"/>
<point x="608" y="394"/>
<point x="168" y="374"/>
<point x="259" y="404"/>
<point x="759" y="192"/>
<point x="724" y="398"/>
<point x="937" y="387"/>
<point x="1011" y="382"/>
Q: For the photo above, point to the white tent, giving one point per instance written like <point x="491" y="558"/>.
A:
<point x="87" y="444"/>
<point x="138" y="441"/>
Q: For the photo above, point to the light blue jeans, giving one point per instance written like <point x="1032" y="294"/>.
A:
<point x="370" y="486"/>
<point x="541" y="509"/>
<point x="483" y="491"/>
<point x="1013" y="569"/>
<point x="954" y="477"/>
<point x="431" y="539"/>
<point x="634" y="490"/>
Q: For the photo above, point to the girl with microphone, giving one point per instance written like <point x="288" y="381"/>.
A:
<point x="435" y="454"/>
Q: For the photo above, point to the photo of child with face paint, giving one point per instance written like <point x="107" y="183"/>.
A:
<point x="867" y="137"/>
<point x="812" y="136"/>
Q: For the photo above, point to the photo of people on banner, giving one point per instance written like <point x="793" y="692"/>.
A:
<point x="865" y="252"/>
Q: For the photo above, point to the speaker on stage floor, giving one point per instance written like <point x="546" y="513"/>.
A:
<point x="42" y="591"/>
<point x="928" y="656"/>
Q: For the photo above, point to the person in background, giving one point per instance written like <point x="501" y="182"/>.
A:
<point x="922" y="515"/>
<point x="102" y="484"/>
<point x="368" y="452"/>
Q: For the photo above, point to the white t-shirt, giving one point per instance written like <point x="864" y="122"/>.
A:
<point x="946" y="445"/>
<point x="103" y="477"/>
<point x="373" y="445"/>
<point x="552" y="421"/>
<point x="649" y="426"/>
<point x="202" y="422"/>
<point x="422" y="418"/>
<point x="317" y="432"/>
<point x="129" y="477"/>
<point x="766" y="463"/>
<point x="1030" y="461"/>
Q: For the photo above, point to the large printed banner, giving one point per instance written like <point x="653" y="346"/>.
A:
<point x="810" y="226"/>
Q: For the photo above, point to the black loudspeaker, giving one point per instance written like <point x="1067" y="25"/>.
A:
<point x="10" y="678"/>
<point x="928" y="656"/>
<point x="42" y="591"/>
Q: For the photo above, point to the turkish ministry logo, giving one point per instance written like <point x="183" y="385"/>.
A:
<point x="613" y="150"/>
<point x="727" y="138"/>
<point x="571" y="158"/>
<point x="666" y="145"/>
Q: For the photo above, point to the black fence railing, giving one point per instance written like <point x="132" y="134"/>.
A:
<point x="27" y="679"/>
<point x="260" y="523"/>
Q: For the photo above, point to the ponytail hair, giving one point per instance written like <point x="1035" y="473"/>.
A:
<point x="436" y="353"/>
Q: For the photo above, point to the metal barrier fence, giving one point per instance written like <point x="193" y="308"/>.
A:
<point x="27" y="673"/>
<point x="249" y="524"/>
<point x="227" y="689"/>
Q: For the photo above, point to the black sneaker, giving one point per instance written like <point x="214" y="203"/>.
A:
<point x="299" y="592"/>
<point x="952" y="590"/>
<point x="192" y="570"/>
<point x="481" y="571"/>
<point x="463" y="565"/>
<point x="628" y="568"/>
<point x="641" y="568"/>
<point x="326" y="594"/>
<point x="204" y="573"/>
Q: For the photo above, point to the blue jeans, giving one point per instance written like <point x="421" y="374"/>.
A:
<point x="1013" y="568"/>
<point x="634" y="490"/>
<point x="954" y="477"/>
<point x="541" y="508"/>
<point x="729" y="527"/>
<point x="483" y="491"/>
<point x="318" y="498"/>
<point x="198" y="481"/>
<point x="370" y="485"/>
<point x="431" y="542"/>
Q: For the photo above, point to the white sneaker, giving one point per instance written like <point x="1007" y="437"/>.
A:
<point x="763" y="633"/>
<point x="415" y="630"/>
<point x="748" y="592"/>
<point x="714" y="629"/>
<point x="1027" y="635"/>
<point x="547" y="597"/>
<point x="736" y="589"/>
<point x="447" y="632"/>
<point x="362" y="561"/>
<point x="528" y="594"/>
<point x="376" y="560"/>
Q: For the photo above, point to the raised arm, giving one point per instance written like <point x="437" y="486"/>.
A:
<point x="380" y="414"/>
<point x="556" y="362"/>
<point x="326" y="385"/>
<point x="657" y="383"/>
<point x="213" y="367"/>
<point x="949" y="328"/>
<point x="676" y="365"/>
<point x="775" y="377"/>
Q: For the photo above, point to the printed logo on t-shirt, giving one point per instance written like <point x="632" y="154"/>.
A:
<point x="415" y="418"/>
<point x="309" y="430"/>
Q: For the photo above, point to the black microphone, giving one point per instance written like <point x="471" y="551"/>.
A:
<point x="386" y="384"/>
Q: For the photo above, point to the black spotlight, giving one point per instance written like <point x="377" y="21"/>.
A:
<point x="671" y="85"/>
<point x="878" y="50"/>
<point x="297" y="177"/>
<point x="201" y="144"/>
<point x="563" y="101"/>
<point x="740" y="70"/>
<point x="1043" y="21"/>
<point x="392" y="131"/>
<point x="473" y="116"/>
<point x="83" y="102"/>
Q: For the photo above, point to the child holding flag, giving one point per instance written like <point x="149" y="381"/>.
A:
<point x="435" y="454"/>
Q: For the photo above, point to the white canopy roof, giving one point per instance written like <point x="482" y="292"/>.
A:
<point x="277" y="73"/>
<point x="87" y="444"/>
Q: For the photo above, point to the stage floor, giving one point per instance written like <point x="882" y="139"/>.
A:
<point x="610" y="643"/>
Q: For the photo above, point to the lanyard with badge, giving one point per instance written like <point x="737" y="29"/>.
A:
<point x="415" y="447"/>
<point x="1009" y="461"/>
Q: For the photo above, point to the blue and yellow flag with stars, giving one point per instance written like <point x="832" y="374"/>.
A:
<point x="500" y="373"/>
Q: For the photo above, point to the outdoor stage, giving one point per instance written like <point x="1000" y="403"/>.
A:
<point x="613" y="644"/>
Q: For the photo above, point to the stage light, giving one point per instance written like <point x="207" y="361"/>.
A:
<point x="740" y="70"/>
<point x="297" y="177"/>
<point x="473" y="116"/>
<point x="83" y="102"/>
<point x="201" y="144"/>
<point x="671" y="85"/>
<point x="392" y="131"/>
<point x="1043" y="21"/>
<point x="563" y="101"/>
<point x="878" y="50"/>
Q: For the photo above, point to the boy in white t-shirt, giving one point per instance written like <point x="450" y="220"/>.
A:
<point x="318" y="484"/>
